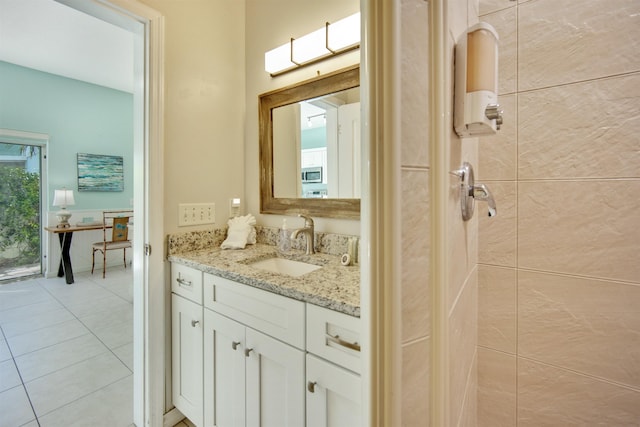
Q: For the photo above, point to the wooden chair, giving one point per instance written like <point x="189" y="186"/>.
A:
<point x="114" y="223"/>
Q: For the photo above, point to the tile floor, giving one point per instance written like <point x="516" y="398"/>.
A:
<point x="66" y="351"/>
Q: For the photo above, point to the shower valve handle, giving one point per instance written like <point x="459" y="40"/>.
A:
<point x="470" y="192"/>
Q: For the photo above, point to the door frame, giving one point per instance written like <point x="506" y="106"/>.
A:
<point x="10" y="136"/>
<point x="147" y="25"/>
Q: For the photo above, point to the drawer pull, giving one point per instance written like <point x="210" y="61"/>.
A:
<point x="183" y="282"/>
<point x="311" y="386"/>
<point x="336" y="339"/>
<point x="194" y="323"/>
<point x="234" y="344"/>
<point x="247" y="351"/>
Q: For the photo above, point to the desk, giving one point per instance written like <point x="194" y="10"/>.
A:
<point x="65" y="235"/>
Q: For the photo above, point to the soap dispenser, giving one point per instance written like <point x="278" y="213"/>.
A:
<point x="476" y="108"/>
<point x="284" y="243"/>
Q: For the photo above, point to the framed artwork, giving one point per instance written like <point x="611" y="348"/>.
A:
<point x="97" y="172"/>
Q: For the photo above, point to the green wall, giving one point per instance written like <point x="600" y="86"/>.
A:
<point x="314" y="138"/>
<point x="79" y="118"/>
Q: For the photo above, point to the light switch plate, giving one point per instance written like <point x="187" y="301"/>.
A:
<point x="196" y="214"/>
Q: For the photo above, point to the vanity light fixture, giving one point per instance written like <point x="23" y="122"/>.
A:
<point x="334" y="39"/>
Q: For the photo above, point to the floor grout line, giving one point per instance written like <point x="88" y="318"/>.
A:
<point x="22" y="384"/>
<point x="40" y="282"/>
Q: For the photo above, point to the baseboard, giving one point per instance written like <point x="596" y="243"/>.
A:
<point x="172" y="418"/>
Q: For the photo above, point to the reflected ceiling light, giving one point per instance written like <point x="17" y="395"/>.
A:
<point x="323" y="115"/>
<point x="334" y="39"/>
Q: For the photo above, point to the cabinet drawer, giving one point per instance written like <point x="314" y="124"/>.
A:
<point x="334" y="336"/>
<point x="186" y="282"/>
<point x="271" y="314"/>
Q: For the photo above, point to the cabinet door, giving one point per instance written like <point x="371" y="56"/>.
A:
<point x="224" y="371"/>
<point x="186" y="352"/>
<point x="275" y="382"/>
<point x="333" y="395"/>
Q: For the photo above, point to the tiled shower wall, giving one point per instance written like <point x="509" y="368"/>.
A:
<point x="461" y="286"/>
<point x="559" y="267"/>
<point x="415" y="174"/>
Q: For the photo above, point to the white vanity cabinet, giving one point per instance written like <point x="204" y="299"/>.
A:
<point x="334" y="393"/>
<point x="186" y="351"/>
<point x="242" y="356"/>
<point x="253" y="356"/>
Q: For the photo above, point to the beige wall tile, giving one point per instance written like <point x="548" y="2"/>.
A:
<point x="415" y="83"/>
<point x="497" y="308"/>
<point x="505" y="22"/>
<point x="416" y="305"/>
<point x="458" y="17"/>
<point x="581" y="130"/>
<point x="497" y="234"/>
<point x="473" y="11"/>
<point x="463" y="327"/>
<point x="488" y="6"/>
<point x="416" y="359"/>
<point x="463" y="235"/>
<point x="584" y="128"/>
<point x="498" y="153"/>
<point x="563" y="41"/>
<point x="461" y="285"/>
<point x="469" y="413"/>
<point x="552" y="397"/>
<point x="496" y="389"/>
<point x="463" y="251"/>
<point x="586" y="228"/>
<point x="589" y="326"/>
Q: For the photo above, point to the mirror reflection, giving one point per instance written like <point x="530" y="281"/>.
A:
<point x="317" y="147"/>
<point x="310" y="147"/>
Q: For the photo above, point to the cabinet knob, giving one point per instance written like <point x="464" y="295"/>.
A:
<point x="234" y="344"/>
<point x="311" y="386"/>
<point x="247" y="351"/>
<point x="194" y="323"/>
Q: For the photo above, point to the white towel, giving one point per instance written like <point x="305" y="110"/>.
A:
<point x="240" y="231"/>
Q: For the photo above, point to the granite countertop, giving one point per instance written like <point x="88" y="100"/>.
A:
<point x="333" y="286"/>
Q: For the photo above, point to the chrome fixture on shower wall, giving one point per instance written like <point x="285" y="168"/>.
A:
<point x="476" y="82"/>
<point x="470" y="192"/>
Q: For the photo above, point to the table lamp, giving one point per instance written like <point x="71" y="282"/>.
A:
<point x="63" y="198"/>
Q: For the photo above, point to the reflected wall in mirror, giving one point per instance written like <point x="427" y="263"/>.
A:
<point x="316" y="147"/>
<point x="310" y="147"/>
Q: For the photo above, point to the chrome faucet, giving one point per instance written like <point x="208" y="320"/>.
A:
<point x="307" y="230"/>
<point x="481" y="192"/>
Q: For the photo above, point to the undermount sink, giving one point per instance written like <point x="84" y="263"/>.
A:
<point x="285" y="266"/>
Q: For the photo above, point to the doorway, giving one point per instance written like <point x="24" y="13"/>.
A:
<point x="21" y="196"/>
<point x="146" y="28"/>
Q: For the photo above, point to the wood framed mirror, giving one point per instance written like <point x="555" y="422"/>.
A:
<point x="321" y="181"/>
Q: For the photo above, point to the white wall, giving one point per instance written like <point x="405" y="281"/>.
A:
<point x="270" y="24"/>
<point x="204" y="105"/>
